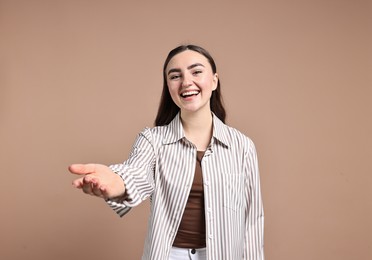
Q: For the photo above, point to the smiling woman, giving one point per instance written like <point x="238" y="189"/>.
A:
<point x="167" y="108"/>
<point x="191" y="82"/>
<point x="201" y="175"/>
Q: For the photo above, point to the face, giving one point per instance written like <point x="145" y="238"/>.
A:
<point x="190" y="81"/>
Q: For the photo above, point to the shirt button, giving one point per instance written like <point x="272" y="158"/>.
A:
<point x="193" y="251"/>
<point x="210" y="236"/>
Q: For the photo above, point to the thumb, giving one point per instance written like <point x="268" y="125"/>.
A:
<point x="82" y="168"/>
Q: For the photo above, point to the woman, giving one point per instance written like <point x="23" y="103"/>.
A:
<point x="201" y="175"/>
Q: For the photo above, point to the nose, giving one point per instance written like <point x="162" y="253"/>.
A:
<point x="186" y="81"/>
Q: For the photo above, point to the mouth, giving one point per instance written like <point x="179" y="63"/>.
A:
<point x="189" y="93"/>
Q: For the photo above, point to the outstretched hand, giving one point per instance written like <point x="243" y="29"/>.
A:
<point x="98" y="180"/>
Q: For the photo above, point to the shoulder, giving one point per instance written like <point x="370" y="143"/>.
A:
<point x="239" y="139"/>
<point x="154" y="135"/>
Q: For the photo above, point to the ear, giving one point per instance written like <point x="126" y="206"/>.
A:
<point x="215" y="81"/>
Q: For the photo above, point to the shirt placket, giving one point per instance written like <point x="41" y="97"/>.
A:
<point x="207" y="198"/>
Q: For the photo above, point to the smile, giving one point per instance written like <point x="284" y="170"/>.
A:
<point x="189" y="93"/>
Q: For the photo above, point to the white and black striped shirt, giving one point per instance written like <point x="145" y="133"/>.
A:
<point x="161" y="167"/>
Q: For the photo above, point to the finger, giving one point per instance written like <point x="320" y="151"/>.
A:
<point x="78" y="183"/>
<point x="87" y="189"/>
<point x="104" y="191"/>
<point x="87" y="185"/>
<point x="95" y="189"/>
<point x="82" y="168"/>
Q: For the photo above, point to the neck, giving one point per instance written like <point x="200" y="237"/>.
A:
<point x="196" y="121"/>
<point x="198" y="128"/>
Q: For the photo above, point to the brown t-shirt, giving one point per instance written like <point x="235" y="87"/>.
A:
<point x="191" y="232"/>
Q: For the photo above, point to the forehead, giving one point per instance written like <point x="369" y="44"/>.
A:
<point x="187" y="58"/>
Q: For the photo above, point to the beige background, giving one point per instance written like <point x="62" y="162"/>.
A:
<point x="79" y="79"/>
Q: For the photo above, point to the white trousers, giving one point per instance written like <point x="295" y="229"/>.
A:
<point x="177" y="253"/>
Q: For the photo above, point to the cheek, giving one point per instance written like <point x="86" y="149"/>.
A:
<point x="173" y="90"/>
<point x="207" y="84"/>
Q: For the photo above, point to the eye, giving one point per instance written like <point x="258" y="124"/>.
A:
<point x="174" y="76"/>
<point x="196" y="72"/>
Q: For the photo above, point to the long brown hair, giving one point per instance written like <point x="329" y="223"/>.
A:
<point x="168" y="109"/>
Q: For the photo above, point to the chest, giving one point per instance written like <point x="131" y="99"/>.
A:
<point x="223" y="172"/>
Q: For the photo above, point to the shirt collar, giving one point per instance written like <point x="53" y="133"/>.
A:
<point x="175" y="131"/>
<point x="220" y="131"/>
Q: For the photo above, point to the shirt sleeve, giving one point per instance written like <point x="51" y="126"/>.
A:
<point x="137" y="173"/>
<point x="254" y="223"/>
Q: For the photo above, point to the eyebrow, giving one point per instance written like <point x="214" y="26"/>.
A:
<point x="189" y="68"/>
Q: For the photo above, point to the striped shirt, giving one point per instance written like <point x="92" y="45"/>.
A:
<point x="161" y="167"/>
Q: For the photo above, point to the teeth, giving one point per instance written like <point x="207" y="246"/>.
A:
<point x="189" y="93"/>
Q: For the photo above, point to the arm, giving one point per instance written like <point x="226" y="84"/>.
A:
<point x="125" y="185"/>
<point x="137" y="173"/>
<point x="254" y="228"/>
